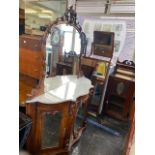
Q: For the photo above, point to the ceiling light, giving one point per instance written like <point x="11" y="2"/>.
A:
<point x="44" y="16"/>
<point x="31" y="11"/>
<point x="47" y="11"/>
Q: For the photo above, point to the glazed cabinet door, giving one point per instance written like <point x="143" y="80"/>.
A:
<point x="49" y="128"/>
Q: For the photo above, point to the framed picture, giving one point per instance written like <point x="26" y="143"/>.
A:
<point x="103" y="44"/>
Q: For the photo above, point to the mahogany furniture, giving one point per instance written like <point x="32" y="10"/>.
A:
<point x="131" y="133"/>
<point x="31" y="65"/>
<point x="120" y="91"/>
<point x="54" y="104"/>
<point x="54" y="113"/>
<point x="31" y="57"/>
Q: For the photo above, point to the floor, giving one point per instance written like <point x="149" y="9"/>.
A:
<point x="96" y="141"/>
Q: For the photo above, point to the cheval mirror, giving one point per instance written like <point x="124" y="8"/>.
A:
<point x="55" y="107"/>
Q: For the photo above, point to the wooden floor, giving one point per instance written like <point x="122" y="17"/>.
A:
<point x="26" y="84"/>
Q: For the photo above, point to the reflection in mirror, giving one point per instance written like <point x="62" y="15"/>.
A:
<point x="51" y="129"/>
<point x="38" y="14"/>
<point x="63" y="47"/>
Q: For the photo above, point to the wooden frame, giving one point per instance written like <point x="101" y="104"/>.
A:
<point x="103" y="44"/>
<point x="69" y="18"/>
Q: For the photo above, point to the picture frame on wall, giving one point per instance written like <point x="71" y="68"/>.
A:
<point x="103" y="44"/>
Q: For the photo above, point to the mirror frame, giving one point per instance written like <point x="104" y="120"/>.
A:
<point x="69" y="18"/>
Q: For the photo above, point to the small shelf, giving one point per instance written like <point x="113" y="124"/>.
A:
<point x="120" y="96"/>
<point x="116" y="115"/>
<point x="116" y="101"/>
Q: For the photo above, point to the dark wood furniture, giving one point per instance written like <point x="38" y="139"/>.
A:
<point x="31" y="57"/>
<point x="131" y="133"/>
<point x="103" y="44"/>
<point x="64" y="68"/>
<point x="120" y="91"/>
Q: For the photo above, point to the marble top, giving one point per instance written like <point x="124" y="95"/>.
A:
<point x="59" y="89"/>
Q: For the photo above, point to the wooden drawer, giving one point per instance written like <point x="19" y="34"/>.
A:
<point x="103" y="50"/>
<point x="88" y="62"/>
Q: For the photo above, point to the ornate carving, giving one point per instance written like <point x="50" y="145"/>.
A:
<point x="127" y="62"/>
<point x="69" y="18"/>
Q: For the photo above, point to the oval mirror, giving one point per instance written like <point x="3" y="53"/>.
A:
<point x="64" y="43"/>
<point x="63" y="47"/>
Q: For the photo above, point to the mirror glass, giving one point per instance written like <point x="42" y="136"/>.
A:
<point x="63" y="46"/>
<point x="51" y="129"/>
<point x="38" y="14"/>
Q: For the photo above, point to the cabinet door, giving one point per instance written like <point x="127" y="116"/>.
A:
<point x="118" y="98"/>
<point x="49" y="129"/>
<point x="120" y="87"/>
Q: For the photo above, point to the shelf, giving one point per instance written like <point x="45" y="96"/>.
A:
<point x="116" y="115"/>
<point x="116" y="104"/>
<point x="118" y="96"/>
<point x="115" y="108"/>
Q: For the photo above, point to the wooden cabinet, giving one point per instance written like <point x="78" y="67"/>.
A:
<point x="31" y="58"/>
<point x="120" y="93"/>
<point x="53" y="130"/>
<point x="64" y="69"/>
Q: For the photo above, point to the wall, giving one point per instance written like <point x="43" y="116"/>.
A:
<point x="124" y="28"/>
<point x="22" y="4"/>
